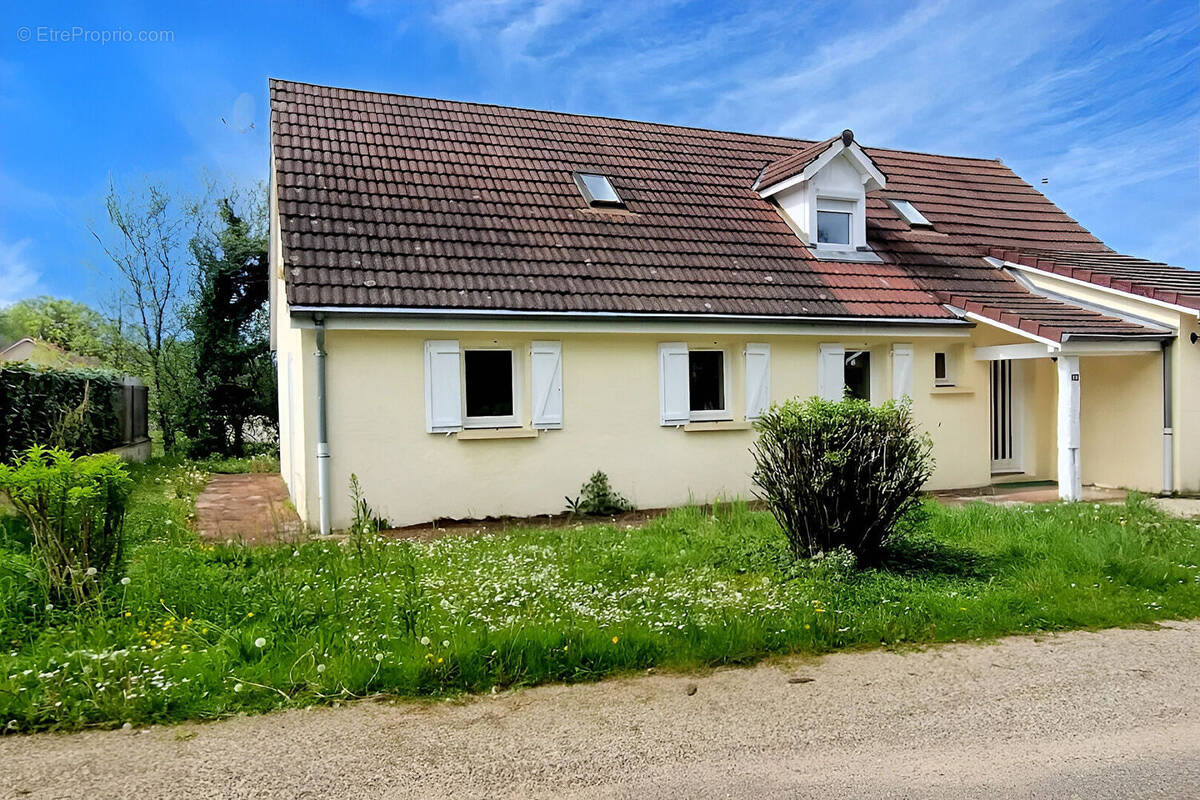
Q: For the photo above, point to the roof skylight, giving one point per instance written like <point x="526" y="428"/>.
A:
<point x="909" y="213"/>
<point x="597" y="189"/>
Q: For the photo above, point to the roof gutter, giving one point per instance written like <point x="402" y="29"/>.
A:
<point x="480" y="313"/>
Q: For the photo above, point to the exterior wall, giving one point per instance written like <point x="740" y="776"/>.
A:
<point x="376" y="418"/>
<point x="1121" y="421"/>
<point x="1185" y="357"/>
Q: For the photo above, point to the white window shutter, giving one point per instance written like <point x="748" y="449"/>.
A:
<point x="673" y="394"/>
<point x="443" y="387"/>
<point x="758" y="379"/>
<point x="831" y="372"/>
<point x="902" y="370"/>
<point x="546" y="379"/>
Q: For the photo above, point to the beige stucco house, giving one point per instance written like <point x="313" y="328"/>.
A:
<point x="475" y="307"/>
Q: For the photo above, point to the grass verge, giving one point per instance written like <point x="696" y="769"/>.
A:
<point x="203" y="631"/>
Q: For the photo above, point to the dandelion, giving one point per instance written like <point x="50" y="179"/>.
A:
<point x="440" y="660"/>
<point x="125" y="581"/>
<point x="445" y="643"/>
<point x="616" y="639"/>
<point x="260" y="642"/>
<point x="320" y="668"/>
<point x="249" y="615"/>
<point x="379" y="656"/>
<point x="237" y="687"/>
<point x="425" y="641"/>
<point x="49" y="606"/>
<point x="91" y="572"/>
<point x="807" y="626"/>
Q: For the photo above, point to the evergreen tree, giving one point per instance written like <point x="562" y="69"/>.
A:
<point x="228" y="321"/>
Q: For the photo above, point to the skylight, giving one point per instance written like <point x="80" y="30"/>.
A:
<point x="908" y="212"/>
<point x="597" y="189"/>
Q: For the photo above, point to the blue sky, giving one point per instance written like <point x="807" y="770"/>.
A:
<point x="1101" y="99"/>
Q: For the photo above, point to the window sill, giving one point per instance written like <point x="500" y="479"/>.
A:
<point x="471" y="434"/>
<point x="951" y="390"/>
<point x="725" y="425"/>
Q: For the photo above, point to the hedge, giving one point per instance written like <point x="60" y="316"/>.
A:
<point x="36" y="405"/>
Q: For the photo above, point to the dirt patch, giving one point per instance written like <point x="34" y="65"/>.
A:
<point x="491" y="525"/>
<point x="251" y="508"/>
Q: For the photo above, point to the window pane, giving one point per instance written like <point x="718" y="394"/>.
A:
<point x="939" y="366"/>
<point x="599" y="188"/>
<point x="833" y="227"/>
<point x="858" y="375"/>
<point x="707" y="380"/>
<point x="489" y="383"/>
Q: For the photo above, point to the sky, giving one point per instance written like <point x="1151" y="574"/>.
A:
<point x="1097" y="104"/>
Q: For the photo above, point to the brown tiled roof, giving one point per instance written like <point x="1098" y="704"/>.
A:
<point x="392" y="201"/>
<point x="789" y="166"/>
<point x="1151" y="279"/>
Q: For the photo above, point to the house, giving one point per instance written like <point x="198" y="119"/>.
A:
<point x="41" y="353"/>
<point x="474" y="307"/>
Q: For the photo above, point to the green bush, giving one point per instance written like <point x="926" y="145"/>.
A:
<point x="71" y="408"/>
<point x="840" y="474"/>
<point x="597" y="497"/>
<point x="75" y="508"/>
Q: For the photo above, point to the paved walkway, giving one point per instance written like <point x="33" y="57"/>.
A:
<point x="1114" y="714"/>
<point x="253" y="508"/>
<point x="1006" y="494"/>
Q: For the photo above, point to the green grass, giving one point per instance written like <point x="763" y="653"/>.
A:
<point x="203" y="631"/>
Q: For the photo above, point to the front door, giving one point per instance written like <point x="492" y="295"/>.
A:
<point x="1006" y="418"/>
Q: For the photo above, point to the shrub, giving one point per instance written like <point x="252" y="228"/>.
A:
<point x="840" y="474"/>
<point x="73" y="408"/>
<point x="597" y="497"/>
<point x="75" y="508"/>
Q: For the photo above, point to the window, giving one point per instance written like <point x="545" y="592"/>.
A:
<point x="941" y="369"/>
<point x="597" y="189"/>
<point x="835" y="220"/>
<point x="858" y="375"/>
<point x="706" y="384"/>
<point x="491" y="395"/>
<point x="909" y="213"/>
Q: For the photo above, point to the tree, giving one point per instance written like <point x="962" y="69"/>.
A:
<point x="228" y="322"/>
<point x="146" y="241"/>
<point x="67" y="324"/>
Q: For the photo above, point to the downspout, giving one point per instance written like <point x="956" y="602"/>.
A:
<point x="1168" y="422"/>
<point x="322" y="430"/>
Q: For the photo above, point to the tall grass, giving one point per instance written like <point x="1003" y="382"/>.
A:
<point x="202" y="631"/>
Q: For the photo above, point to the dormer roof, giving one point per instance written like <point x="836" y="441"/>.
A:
<point x="803" y="165"/>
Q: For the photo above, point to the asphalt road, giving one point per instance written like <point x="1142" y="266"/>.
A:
<point x="1114" y="714"/>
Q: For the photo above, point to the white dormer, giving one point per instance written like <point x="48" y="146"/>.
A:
<point x="822" y="192"/>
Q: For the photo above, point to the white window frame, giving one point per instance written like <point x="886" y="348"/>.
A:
<point x="839" y="204"/>
<point x="715" y="415"/>
<point x="512" y="420"/>
<point x="949" y="380"/>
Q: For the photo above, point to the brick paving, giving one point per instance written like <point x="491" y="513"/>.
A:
<point x="253" y="508"/>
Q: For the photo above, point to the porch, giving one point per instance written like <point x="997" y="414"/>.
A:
<point x="1077" y="413"/>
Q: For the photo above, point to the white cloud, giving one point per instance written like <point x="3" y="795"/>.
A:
<point x="18" y="279"/>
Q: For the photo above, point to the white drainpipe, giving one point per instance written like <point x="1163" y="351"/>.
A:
<point x="1168" y="422"/>
<point x="322" y="430"/>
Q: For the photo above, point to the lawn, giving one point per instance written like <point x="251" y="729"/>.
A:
<point x="203" y="631"/>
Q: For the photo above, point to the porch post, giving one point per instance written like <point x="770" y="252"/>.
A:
<point x="1069" y="482"/>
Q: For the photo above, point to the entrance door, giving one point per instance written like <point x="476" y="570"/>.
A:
<point x="1006" y="418"/>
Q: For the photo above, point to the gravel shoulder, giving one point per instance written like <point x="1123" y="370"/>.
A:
<point x="1108" y="714"/>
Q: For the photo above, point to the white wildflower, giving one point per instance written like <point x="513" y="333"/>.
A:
<point x="125" y="581"/>
<point x="425" y="641"/>
<point x="237" y="687"/>
<point x="260" y="642"/>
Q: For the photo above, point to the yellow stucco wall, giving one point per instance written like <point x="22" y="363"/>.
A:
<point x="1121" y="421"/>
<point x="1186" y="393"/>
<point x="611" y="422"/>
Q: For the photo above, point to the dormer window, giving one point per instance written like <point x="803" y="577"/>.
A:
<point x="598" y="190"/>
<point x="821" y="192"/>
<point x="835" y="220"/>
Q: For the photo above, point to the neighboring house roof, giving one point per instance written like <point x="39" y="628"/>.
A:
<point x="43" y="354"/>
<point x="390" y="201"/>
